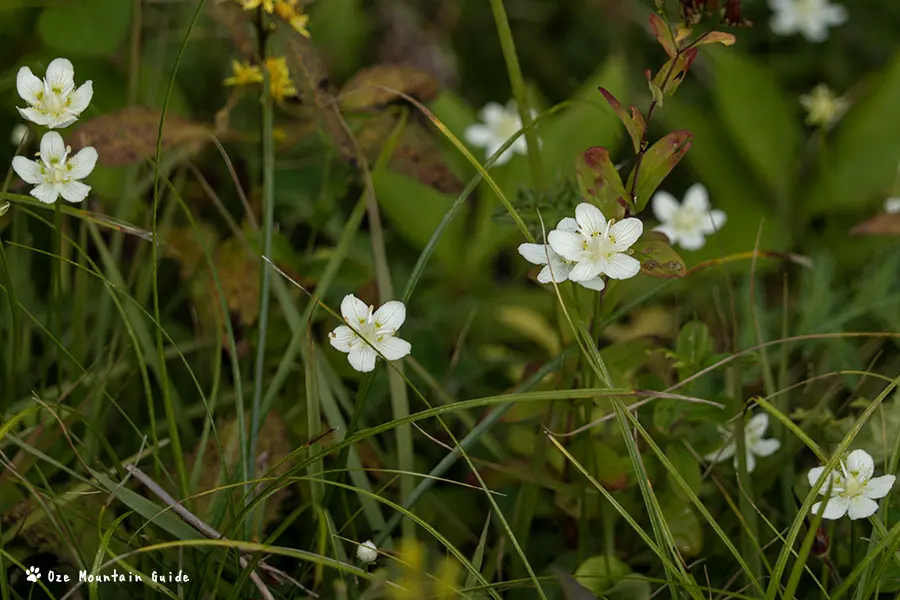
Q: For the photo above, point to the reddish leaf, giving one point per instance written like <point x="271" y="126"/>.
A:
<point x="716" y="37"/>
<point x="663" y="34"/>
<point x="632" y="119"/>
<point x="672" y="73"/>
<point x="884" y="224"/>
<point x="599" y="181"/>
<point x="657" y="257"/>
<point x="657" y="163"/>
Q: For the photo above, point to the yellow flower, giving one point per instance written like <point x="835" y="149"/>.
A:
<point x="288" y="10"/>
<point x="244" y="74"/>
<point x="280" y="78"/>
<point x="268" y="5"/>
<point x="299" y="23"/>
<point x="822" y="106"/>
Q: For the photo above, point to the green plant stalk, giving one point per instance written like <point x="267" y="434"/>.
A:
<point x="248" y="456"/>
<point x="797" y="571"/>
<point x="520" y="91"/>
<point x="56" y="325"/>
<point x="15" y="333"/>
<point x="745" y="500"/>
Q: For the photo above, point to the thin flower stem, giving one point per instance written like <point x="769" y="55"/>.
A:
<point x="55" y="320"/>
<point x="520" y="91"/>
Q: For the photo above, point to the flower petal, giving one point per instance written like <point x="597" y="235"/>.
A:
<point x="879" y="487"/>
<point x="749" y="459"/>
<point x="82" y="163"/>
<point x="860" y="461"/>
<point x="766" y="447"/>
<point x="892" y="205"/>
<point x="625" y="233"/>
<point x="536" y="254"/>
<point x="60" y="121"/>
<point x="362" y="358"/>
<point x="343" y="338"/>
<point x="861" y="507"/>
<point x="757" y="425"/>
<point x="722" y="454"/>
<point x="478" y="135"/>
<point x="835" y="507"/>
<point x="691" y="241"/>
<point x="557" y="271"/>
<point x="354" y="310"/>
<point x="74" y="191"/>
<point x="393" y="348"/>
<point x="390" y="316"/>
<point x="813" y="477"/>
<point x="590" y="219"/>
<point x="492" y="113"/>
<point x="621" y="266"/>
<point x="35" y="116"/>
<point x="570" y="224"/>
<point x="713" y="221"/>
<point x="60" y="75"/>
<point x="596" y="284"/>
<point x="669" y="232"/>
<point x="585" y="270"/>
<point x="834" y="14"/>
<point x="28" y="85"/>
<point x="696" y="198"/>
<point x="52" y="147"/>
<point x="29" y="170"/>
<point x="664" y="206"/>
<point x="567" y="244"/>
<point x="80" y="99"/>
<point x="45" y="193"/>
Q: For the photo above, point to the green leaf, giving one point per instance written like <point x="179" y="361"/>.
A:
<point x="599" y="573"/>
<point x="633" y="588"/>
<point x="663" y="34"/>
<point x="599" y="182"/>
<point x="762" y="122"/>
<point x="610" y="469"/>
<point x="572" y="590"/>
<point x="670" y="76"/>
<point x="693" y="347"/>
<point x="687" y="467"/>
<point x="632" y="119"/>
<point x="685" y="527"/>
<point x="657" y="257"/>
<point x="339" y="29"/>
<point x="657" y="163"/>
<point x="91" y="27"/>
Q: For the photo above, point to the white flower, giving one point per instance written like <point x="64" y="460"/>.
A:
<point x="822" y="106"/>
<point x="892" y="205"/>
<point x="812" y="18"/>
<point x="367" y="552"/>
<point x="754" y="443"/>
<point x="57" y="174"/>
<point x="378" y="327"/>
<point x="687" y="224"/>
<point x="19" y="134"/>
<point x="598" y="247"/>
<point x="557" y="268"/>
<point x="853" y="491"/>
<point x="499" y="124"/>
<point x="54" y="101"/>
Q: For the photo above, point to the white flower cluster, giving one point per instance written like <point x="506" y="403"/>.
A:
<point x="54" y="102"/>
<point x="852" y="491"/>
<point x="754" y="443"/>
<point x="812" y="18"/>
<point x="498" y="124"/>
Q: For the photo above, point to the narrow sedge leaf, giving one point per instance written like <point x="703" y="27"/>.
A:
<point x="670" y="76"/>
<point x="599" y="182"/>
<point x="632" y="119"/>
<point x="657" y="257"/>
<point x="658" y="162"/>
<point x="663" y="34"/>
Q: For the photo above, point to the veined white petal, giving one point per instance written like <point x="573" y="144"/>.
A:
<point x="590" y="219"/>
<point x="556" y="270"/>
<point x="60" y="121"/>
<point x="80" y="99"/>
<point x="28" y="85"/>
<point x="696" y="198"/>
<point x="34" y="115"/>
<point x="621" y="266"/>
<point x="664" y="206"/>
<point x="597" y="284"/>
<point x="813" y="477"/>
<point x="722" y="454"/>
<point x="390" y="316"/>
<point x="478" y="135"/>
<point x="354" y="310"/>
<point x="625" y="233"/>
<point x="571" y="225"/>
<point x="393" y="348"/>
<point x="46" y="193"/>
<point x="860" y="461"/>
<point x="757" y="425"/>
<point x="536" y="254"/>
<point x="765" y="447"/>
<point x="835" y="507"/>
<point x="52" y="147"/>
<point x="585" y="270"/>
<point x="74" y="191"/>
<point x="29" y="170"/>
<point x="82" y="163"/>
<point x="567" y="244"/>
<point x="861" y="507"/>
<point x="343" y="338"/>
<point x="879" y="487"/>
<point x="362" y="358"/>
<point x="60" y="75"/>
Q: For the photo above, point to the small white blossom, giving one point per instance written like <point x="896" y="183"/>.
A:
<point x="687" y="224"/>
<point x="812" y="18"/>
<point x="19" y="134"/>
<point x="853" y="491"/>
<point x="378" y="327"/>
<point x="558" y="268"/>
<point x="56" y="173"/>
<point x="822" y="106"/>
<point x="598" y="247"/>
<point x="367" y="552"/>
<point x="54" y="102"/>
<point x="754" y="443"/>
<point x="499" y="124"/>
<point x="892" y="205"/>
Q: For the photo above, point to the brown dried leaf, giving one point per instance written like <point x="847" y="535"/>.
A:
<point x="128" y="136"/>
<point x="239" y="276"/>
<point x="184" y="245"/>
<point x="373" y="88"/>
<point x="883" y="224"/>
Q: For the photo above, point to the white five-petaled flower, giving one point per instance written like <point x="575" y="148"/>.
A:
<point x="687" y="224"/>
<point x="853" y="490"/>
<point x="812" y="18"/>
<point x="377" y="327"/>
<point x="367" y="552"/>
<point x="754" y="443"/>
<point x="598" y="247"/>
<point x="499" y="124"/>
<point x="56" y="173"/>
<point x="892" y="205"/>
<point x="53" y="102"/>
<point x="557" y="268"/>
